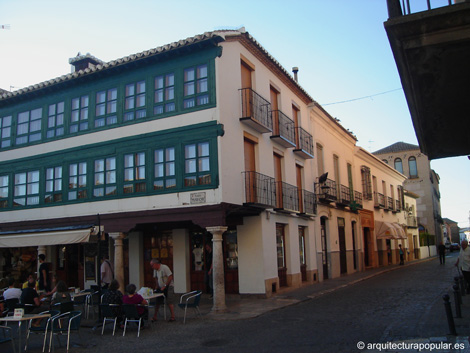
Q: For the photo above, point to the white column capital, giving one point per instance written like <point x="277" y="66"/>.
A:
<point x="117" y="235"/>
<point x="217" y="230"/>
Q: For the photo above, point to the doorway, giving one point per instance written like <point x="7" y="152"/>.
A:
<point x="367" y="259"/>
<point x="281" y="254"/>
<point x="343" y="261"/>
<point x="324" y="247"/>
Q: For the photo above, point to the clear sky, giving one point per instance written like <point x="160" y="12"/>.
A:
<point x="340" y="47"/>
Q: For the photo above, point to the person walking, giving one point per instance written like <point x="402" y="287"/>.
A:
<point x="442" y="253"/>
<point x="44" y="277"/>
<point x="107" y="272"/>
<point x="463" y="262"/>
<point x="164" y="283"/>
<point x="402" y="254"/>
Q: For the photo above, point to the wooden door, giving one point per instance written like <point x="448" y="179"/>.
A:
<point x="298" y="173"/>
<point x="281" y="255"/>
<point x="250" y="169"/>
<point x="295" y="117"/>
<point x="342" y="246"/>
<point x="247" y="93"/>
<point x="275" y="110"/>
<point x="278" y="179"/>
<point x="324" y="247"/>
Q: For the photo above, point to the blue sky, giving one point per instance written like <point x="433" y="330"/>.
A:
<point x="340" y="47"/>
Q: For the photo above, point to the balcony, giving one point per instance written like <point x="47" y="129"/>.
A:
<point x="389" y="205"/>
<point x="283" y="129"/>
<point x="357" y="204"/>
<point x="304" y="143"/>
<point x="379" y="200"/>
<point x="326" y="191"/>
<point x="260" y="190"/>
<point x="344" y="196"/>
<point x="256" y="111"/>
<point x="308" y="203"/>
<point x="432" y="52"/>
<point x="398" y="206"/>
<point x="412" y="221"/>
<point x="287" y="197"/>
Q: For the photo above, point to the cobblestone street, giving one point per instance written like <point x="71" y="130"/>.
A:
<point x="400" y="304"/>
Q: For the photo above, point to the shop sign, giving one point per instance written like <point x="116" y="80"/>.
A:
<point x="198" y="198"/>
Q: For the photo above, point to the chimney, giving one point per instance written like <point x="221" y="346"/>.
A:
<point x="295" y="69"/>
<point x="82" y="62"/>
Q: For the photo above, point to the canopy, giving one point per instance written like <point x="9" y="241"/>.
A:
<point x="400" y="231"/>
<point x="44" y="238"/>
<point x="385" y="230"/>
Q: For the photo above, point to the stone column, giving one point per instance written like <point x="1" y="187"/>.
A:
<point x="118" y="258"/>
<point x="218" y="280"/>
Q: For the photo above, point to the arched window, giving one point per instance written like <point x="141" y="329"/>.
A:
<point x="413" y="167"/>
<point x="399" y="165"/>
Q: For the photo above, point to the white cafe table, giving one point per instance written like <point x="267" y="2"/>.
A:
<point x="20" y="319"/>
<point x="155" y="296"/>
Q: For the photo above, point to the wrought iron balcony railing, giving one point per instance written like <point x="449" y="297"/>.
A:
<point x="344" y="195"/>
<point x="309" y="202"/>
<point x="395" y="9"/>
<point x="283" y="129"/>
<point x="259" y="189"/>
<point x="412" y="221"/>
<point x="397" y="206"/>
<point x="287" y="197"/>
<point x="304" y="143"/>
<point x="358" y="203"/>
<point x="326" y="191"/>
<point x="389" y="205"/>
<point x="379" y="200"/>
<point x="256" y="111"/>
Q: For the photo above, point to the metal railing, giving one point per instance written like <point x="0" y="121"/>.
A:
<point x="304" y="141"/>
<point x="397" y="206"/>
<point x="344" y="195"/>
<point x="412" y="221"/>
<point x="389" y="204"/>
<point x="309" y="202"/>
<point x="326" y="191"/>
<point x="379" y="200"/>
<point x="397" y="8"/>
<point x="260" y="189"/>
<point x="283" y="126"/>
<point x="256" y="107"/>
<point x="287" y="196"/>
<point x="358" y="199"/>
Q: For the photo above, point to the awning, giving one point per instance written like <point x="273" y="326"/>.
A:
<point x="400" y="231"/>
<point x="385" y="230"/>
<point x="44" y="238"/>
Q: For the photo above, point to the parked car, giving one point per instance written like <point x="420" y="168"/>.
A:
<point x="454" y="246"/>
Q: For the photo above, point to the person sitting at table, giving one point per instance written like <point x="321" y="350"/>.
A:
<point x="135" y="298"/>
<point x="61" y="294"/>
<point x="13" y="291"/>
<point x="114" y="296"/>
<point x="31" y="278"/>
<point x="31" y="300"/>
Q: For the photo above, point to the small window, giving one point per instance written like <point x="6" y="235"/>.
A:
<point x="78" y="181"/>
<point x="134" y="173"/>
<point x="134" y="103"/>
<point x="196" y="87"/>
<point x="398" y="165"/>
<point x="53" y="185"/>
<point x="79" y="116"/>
<point x="55" y="120"/>
<point x="5" y="131"/>
<point x="413" y="167"/>
<point x="164" y="98"/>
<point x="4" y="191"/>
<point x="197" y="164"/>
<point x="26" y="192"/>
<point x="164" y="169"/>
<point x="106" y="108"/>
<point x="105" y="177"/>
<point x="29" y="126"/>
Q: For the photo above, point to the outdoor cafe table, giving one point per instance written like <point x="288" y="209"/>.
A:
<point x="148" y="298"/>
<point x="25" y="317"/>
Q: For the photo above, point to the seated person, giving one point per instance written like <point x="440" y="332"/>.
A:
<point x="13" y="291"/>
<point x="135" y="298"/>
<point x="31" y="278"/>
<point x="114" y="296"/>
<point x="30" y="298"/>
<point x="61" y="294"/>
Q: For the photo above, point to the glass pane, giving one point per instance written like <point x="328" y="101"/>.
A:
<point x="33" y="176"/>
<point x="128" y="160"/>
<point x="128" y="174"/>
<point x="75" y="103"/>
<point x="140" y="100"/>
<point x="170" y="183"/>
<point x="74" y="117"/>
<point x="73" y="182"/>
<point x="188" y="103"/>
<point x="158" y="156"/>
<point x="49" y="186"/>
<point x="99" y="178"/>
<point x="4" y="181"/>
<point x="141" y="113"/>
<point x="112" y="94"/>
<point x="99" y="165"/>
<point x="111" y="190"/>
<point x="140" y="173"/>
<point x="189" y="89"/>
<point x="130" y="90"/>
<point x="49" y="173"/>
<point x="188" y="75"/>
<point x="110" y="163"/>
<point x="170" y="107"/>
<point x="129" y="116"/>
<point x="170" y="168"/>
<point x="112" y="107"/>
<point x="82" y="181"/>
<point x="60" y="107"/>
<point x="129" y="103"/>
<point x="20" y="190"/>
<point x="159" y="82"/>
<point x="60" y="119"/>
<point x="36" y="114"/>
<point x="100" y="109"/>
<point x="204" y="164"/>
<point x="203" y="149"/>
<point x="6" y="132"/>
<point x="170" y="93"/>
<point x="190" y="166"/>
<point x="170" y="154"/>
<point x="170" y="80"/>
<point x="190" y="151"/>
<point x="7" y="121"/>
<point x="22" y="129"/>
<point x="202" y="85"/>
<point x="190" y="181"/>
<point x="159" y="171"/>
<point x="110" y="177"/>
<point x="158" y="184"/>
<point x="159" y="96"/>
<point x="101" y="97"/>
<point x="23" y="117"/>
<point x="52" y="109"/>
<point x="85" y="100"/>
<point x="201" y="100"/>
<point x="202" y="71"/>
<point x="140" y="158"/>
<point x="35" y="125"/>
<point x="140" y="87"/>
<point x="82" y="168"/>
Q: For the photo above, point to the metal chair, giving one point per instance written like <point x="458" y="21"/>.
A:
<point x="72" y="324"/>
<point x="131" y="314"/>
<point x="190" y="300"/>
<point x="43" y="329"/>
<point x="93" y="301"/>
<point x="110" y="313"/>
<point x="64" y="307"/>
<point x="81" y="301"/>
<point x="5" y="336"/>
